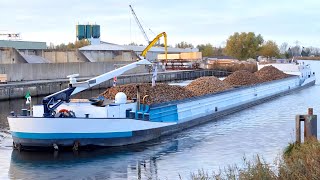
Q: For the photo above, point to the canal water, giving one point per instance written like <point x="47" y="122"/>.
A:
<point x="264" y="129"/>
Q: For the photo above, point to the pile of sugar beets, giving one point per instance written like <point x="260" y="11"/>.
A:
<point x="204" y="85"/>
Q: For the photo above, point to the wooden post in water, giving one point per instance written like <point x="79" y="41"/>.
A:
<point x="298" y="129"/>
<point x="310" y="125"/>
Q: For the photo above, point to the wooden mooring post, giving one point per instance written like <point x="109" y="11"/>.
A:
<point x="310" y="125"/>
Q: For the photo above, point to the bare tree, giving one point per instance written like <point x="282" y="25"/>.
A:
<point x="294" y="51"/>
<point x="284" y="48"/>
<point x="314" y="51"/>
<point x="184" y="44"/>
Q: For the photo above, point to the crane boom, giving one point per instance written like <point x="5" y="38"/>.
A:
<point x="51" y="102"/>
<point x="139" y="24"/>
<point x="81" y="86"/>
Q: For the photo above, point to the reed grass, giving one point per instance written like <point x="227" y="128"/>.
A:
<point x="298" y="161"/>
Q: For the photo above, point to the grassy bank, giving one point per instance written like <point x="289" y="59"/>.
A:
<point x="299" y="161"/>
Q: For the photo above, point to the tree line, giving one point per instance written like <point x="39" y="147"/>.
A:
<point x="249" y="45"/>
<point x="69" y="46"/>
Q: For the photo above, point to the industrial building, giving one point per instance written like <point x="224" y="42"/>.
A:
<point x="12" y="52"/>
<point x="100" y="51"/>
<point x="154" y="51"/>
<point x="15" y="52"/>
<point x="106" y="51"/>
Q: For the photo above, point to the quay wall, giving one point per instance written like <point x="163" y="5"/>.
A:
<point x="53" y="71"/>
<point x="14" y="56"/>
<point x="46" y="87"/>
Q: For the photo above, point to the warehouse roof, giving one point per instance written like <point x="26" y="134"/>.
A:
<point x="23" y="44"/>
<point x="114" y="47"/>
<point x="103" y="47"/>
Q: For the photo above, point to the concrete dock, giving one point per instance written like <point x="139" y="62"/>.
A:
<point x="17" y="90"/>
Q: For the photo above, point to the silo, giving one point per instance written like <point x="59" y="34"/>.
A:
<point x="88" y="31"/>
<point x="96" y="31"/>
<point x="81" y="32"/>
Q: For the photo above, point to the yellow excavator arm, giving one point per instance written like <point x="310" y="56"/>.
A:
<point x="153" y="42"/>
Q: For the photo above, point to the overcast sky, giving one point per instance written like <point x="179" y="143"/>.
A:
<point x="196" y="22"/>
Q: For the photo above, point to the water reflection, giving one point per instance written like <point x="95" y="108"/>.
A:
<point x="134" y="162"/>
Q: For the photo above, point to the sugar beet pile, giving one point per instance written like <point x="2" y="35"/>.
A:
<point x="207" y="85"/>
<point x="241" y="78"/>
<point x="204" y="85"/>
<point x="270" y="73"/>
<point x="158" y="94"/>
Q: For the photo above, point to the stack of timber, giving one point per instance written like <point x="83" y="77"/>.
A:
<point x="183" y="61"/>
<point x="3" y="78"/>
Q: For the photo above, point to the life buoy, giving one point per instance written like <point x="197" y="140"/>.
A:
<point x="63" y="111"/>
<point x="66" y="113"/>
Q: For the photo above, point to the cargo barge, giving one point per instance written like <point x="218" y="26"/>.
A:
<point x="59" y="123"/>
